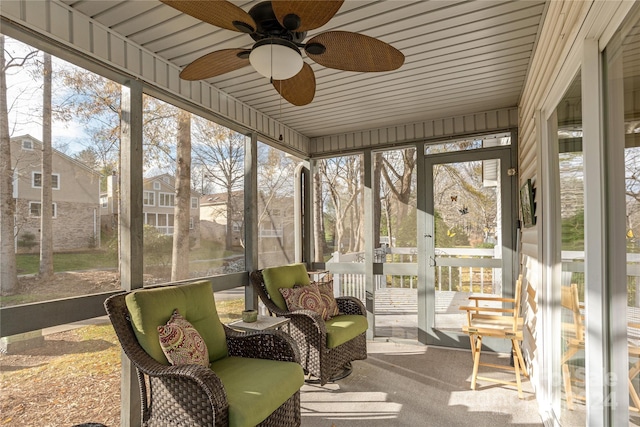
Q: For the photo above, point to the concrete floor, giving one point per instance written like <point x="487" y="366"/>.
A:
<point x="403" y="383"/>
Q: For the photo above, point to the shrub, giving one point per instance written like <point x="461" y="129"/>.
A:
<point x="27" y="241"/>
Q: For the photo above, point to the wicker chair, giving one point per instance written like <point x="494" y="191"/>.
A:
<point x="195" y="395"/>
<point x="309" y="331"/>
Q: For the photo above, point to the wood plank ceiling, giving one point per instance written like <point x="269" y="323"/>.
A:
<point x="461" y="57"/>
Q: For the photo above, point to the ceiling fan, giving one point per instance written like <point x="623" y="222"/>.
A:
<point x="279" y="28"/>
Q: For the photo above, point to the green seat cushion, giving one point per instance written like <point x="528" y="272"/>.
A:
<point x="256" y="387"/>
<point x="150" y="308"/>
<point x="286" y="276"/>
<point x="341" y="329"/>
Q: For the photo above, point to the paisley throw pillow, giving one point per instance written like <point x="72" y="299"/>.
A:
<point x="330" y="303"/>
<point x="181" y="342"/>
<point x="304" y="298"/>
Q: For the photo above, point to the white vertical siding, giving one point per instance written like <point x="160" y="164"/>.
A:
<point x="488" y="121"/>
<point x="554" y="64"/>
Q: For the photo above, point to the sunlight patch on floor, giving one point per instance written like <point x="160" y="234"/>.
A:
<point x="328" y="402"/>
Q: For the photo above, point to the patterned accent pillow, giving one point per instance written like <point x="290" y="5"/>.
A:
<point x="326" y="292"/>
<point x="181" y="342"/>
<point x="304" y="298"/>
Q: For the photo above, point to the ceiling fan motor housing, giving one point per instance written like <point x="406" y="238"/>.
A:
<point x="268" y="26"/>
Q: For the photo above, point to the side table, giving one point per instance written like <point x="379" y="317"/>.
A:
<point x="263" y="323"/>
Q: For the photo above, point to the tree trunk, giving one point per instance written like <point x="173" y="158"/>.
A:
<point x="180" y="260"/>
<point x="46" y="214"/>
<point x="8" y="271"/>
<point x="377" y="205"/>
<point x="228" y="239"/>
<point x="318" y="235"/>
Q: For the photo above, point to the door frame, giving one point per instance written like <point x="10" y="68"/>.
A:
<point x="427" y="334"/>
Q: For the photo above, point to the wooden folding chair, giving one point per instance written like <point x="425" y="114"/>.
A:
<point x="573" y="335"/>
<point x="634" y="353"/>
<point x="503" y="322"/>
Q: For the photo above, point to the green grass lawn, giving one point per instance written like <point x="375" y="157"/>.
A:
<point x="72" y="261"/>
<point x="74" y="376"/>
<point x="98" y="259"/>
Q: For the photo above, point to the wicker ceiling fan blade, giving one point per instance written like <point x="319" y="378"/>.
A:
<point x="220" y="13"/>
<point x="300" y="89"/>
<point x="305" y="15"/>
<point x="216" y="63"/>
<point x="348" y="51"/>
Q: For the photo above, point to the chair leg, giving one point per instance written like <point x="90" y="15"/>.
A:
<point x="472" y="340"/>
<point x="634" y="397"/>
<point x="476" y="360"/>
<point x="633" y="372"/>
<point x="566" y="379"/>
<point x="520" y="357"/>
<point x="517" y="365"/>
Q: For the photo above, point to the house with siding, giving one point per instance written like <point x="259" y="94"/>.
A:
<point x="158" y="202"/>
<point x="75" y="195"/>
<point x="274" y="227"/>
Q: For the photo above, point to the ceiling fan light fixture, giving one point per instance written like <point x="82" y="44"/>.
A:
<point x="276" y="59"/>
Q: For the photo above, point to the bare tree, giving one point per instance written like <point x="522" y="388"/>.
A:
<point x="8" y="270"/>
<point x="180" y="258"/>
<point x="342" y="177"/>
<point x="398" y="172"/>
<point x="46" y="199"/>
<point x="319" y="239"/>
<point x="275" y="191"/>
<point x="220" y="156"/>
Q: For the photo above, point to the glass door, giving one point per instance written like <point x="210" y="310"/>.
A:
<point x="471" y="220"/>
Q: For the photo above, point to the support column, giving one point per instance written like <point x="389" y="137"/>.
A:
<point x="368" y="242"/>
<point x="251" y="214"/>
<point x="130" y="226"/>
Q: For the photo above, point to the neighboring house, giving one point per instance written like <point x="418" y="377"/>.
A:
<point x="158" y="203"/>
<point x="275" y="226"/>
<point x="213" y="217"/>
<point x="75" y="195"/>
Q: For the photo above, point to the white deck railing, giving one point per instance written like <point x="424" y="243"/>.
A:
<point x="457" y="269"/>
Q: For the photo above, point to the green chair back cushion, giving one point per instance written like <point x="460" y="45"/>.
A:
<point x="150" y="308"/>
<point x="256" y="387"/>
<point x="285" y="276"/>
<point x="341" y="329"/>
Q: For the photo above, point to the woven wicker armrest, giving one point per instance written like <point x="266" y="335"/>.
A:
<point x="274" y="345"/>
<point x="351" y="305"/>
<point x="308" y="320"/>
<point x="203" y="377"/>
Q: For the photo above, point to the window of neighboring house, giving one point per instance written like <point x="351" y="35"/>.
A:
<point x="236" y="227"/>
<point x="150" y="219"/>
<point x="104" y="202"/>
<point x="194" y="203"/>
<point x="35" y="209"/>
<point x="27" y="144"/>
<point x="166" y="200"/>
<point x="149" y="198"/>
<point x="156" y="185"/>
<point x="36" y="180"/>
